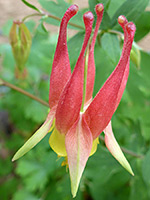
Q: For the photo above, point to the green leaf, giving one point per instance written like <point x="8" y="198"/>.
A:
<point x="114" y="6"/>
<point x="8" y="187"/>
<point x="61" y="190"/>
<point x="36" y="168"/>
<point x="131" y="9"/>
<point x="58" y="7"/>
<point x="146" y="168"/>
<point x="138" y="189"/>
<point x="74" y="47"/>
<point x="102" y="170"/>
<point x="104" y="67"/>
<point x="145" y="70"/>
<point x="142" y="26"/>
<point x="110" y="44"/>
<point x="104" y="165"/>
<point x="23" y="194"/>
<point x="30" y="5"/>
<point x="106" y="22"/>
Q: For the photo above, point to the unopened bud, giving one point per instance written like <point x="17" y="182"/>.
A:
<point x="20" y="40"/>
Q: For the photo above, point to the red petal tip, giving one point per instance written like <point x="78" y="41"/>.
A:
<point x="122" y="20"/>
<point x="99" y="8"/>
<point x="73" y="9"/>
<point x="88" y="18"/>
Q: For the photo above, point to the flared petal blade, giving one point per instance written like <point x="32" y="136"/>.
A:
<point x="94" y="146"/>
<point x="100" y="111"/>
<point x="36" y="137"/>
<point x="70" y="101"/>
<point x="57" y="143"/>
<point x="91" y="63"/>
<point x="115" y="149"/>
<point x="61" y="71"/>
<point x="78" y="146"/>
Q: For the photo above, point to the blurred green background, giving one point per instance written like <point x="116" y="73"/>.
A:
<point x="39" y="175"/>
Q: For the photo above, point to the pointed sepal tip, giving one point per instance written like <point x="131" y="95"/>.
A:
<point x="115" y="149"/>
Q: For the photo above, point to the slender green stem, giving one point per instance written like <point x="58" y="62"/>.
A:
<point x="115" y="32"/>
<point x="53" y="17"/>
<point x="2" y="82"/>
<point x="85" y="79"/>
<point x="32" y="15"/>
<point x="126" y="150"/>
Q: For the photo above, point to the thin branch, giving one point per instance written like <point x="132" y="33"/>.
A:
<point x="115" y="32"/>
<point x="31" y="15"/>
<point x="2" y="82"/>
<point x="126" y="150"/>
<point x="53" y="17"/>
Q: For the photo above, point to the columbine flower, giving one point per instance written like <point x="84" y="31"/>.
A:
<point x="77" y="119"/>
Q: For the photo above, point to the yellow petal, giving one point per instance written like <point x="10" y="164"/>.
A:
<point x="57" y="143"/>
<point x="94" y="146"/>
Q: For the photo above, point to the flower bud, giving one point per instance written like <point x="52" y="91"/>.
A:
<point x="20" y="40"/>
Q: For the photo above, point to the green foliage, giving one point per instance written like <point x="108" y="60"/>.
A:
<point x="39" y="175"/>
<point x="146" y="171"/>
<point x="108" y="42"/>
<point x="143" y="28"/>
<point x="131" y="9"/>
<point x="57" y="9"/>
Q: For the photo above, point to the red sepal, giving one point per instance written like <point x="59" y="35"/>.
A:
<point x="100" y="111"/>
<point x="71" y="98"/>
<point x="61" y="71"/>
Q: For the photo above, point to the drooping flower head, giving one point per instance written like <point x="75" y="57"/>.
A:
<point x="77" y="119"/>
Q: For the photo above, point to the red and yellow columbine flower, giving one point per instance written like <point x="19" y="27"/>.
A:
<point x="76" y="120"/>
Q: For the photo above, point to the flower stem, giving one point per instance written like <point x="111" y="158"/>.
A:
<point x="31" y="15"/>
<point x="5" y="83"/>
<point x="51" y="16"/>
